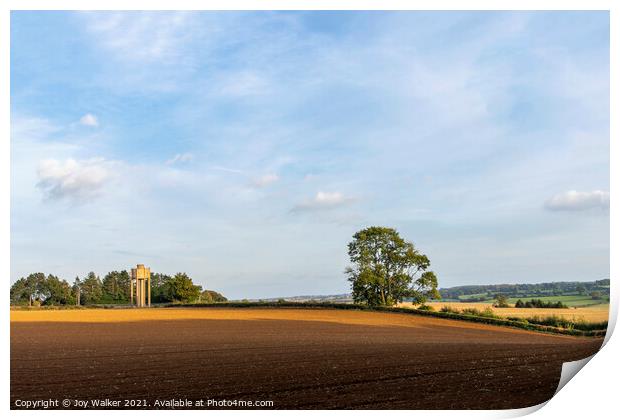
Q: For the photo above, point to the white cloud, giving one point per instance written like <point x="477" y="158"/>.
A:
<point x="322" y="201"/>
<point x="576" y="201"/>
<point x="89" y="120"/>
<point x="180" y="158"/>
<point x="72" y="179"/>
<point x="141" y="36"/>
<point x="265" y="180"/>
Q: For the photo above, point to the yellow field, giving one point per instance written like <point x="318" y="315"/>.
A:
<point x="248" y="314"/>
<point x="598" y="313"/>
<point x="348" y="317"/>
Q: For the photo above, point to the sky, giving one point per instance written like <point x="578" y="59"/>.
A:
<point x="246" y="148"/>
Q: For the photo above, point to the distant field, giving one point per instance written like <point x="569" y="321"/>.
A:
<point x="474" y="296"/>
<point x="569" y="300"/>
<point x="596" y="313"/>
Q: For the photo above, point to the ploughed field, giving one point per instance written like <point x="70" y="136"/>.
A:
<point x="297" y="358"/>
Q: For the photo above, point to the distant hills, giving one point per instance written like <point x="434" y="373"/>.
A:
<point x="483" y="292"/>
<point x="476" y="293"/>
<point x="338" y="298"/>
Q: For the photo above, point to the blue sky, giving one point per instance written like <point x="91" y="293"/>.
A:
<point x="246" y="148"/>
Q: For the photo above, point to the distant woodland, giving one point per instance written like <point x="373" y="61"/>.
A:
<point x="596" y="289"/>
<point x="38" y="289"/>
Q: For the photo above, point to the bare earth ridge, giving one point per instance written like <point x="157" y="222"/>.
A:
<point x="297" y="358"/>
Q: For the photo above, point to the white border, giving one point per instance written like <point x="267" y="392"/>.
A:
<point x="309" y="5"/>
<point x="592" y="394"/>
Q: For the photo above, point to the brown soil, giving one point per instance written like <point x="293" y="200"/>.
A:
<point x="296" y="358"/>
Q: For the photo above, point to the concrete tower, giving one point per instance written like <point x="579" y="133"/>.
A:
<point x="141" y="276"/>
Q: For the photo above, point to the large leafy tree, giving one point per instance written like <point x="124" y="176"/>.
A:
<point x="180" y="288"/>
<point x="385" y="269"/>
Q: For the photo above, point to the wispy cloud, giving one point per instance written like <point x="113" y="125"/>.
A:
<point x="32" y="128"/>
<point x="265" y="180"/>
<point x="89" y="120"/>
<point x="323" y="201"/>
<point x="180" y="158"/>
<point x="72" y="179"/>
<point x="225" y="169"/>
<point x="578" y="201"/>
<point x="140" y="36"/>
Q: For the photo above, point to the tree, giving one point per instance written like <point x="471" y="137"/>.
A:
<point x="76" y="290"/>
<point x="501" y="301"/>
<point x="386" y="269"/>
<point x="596" y="295"/>
<point x="159" y="289"/>
<point x="20" y="293"/>
<point x="54" y="291"/>
<point x="28" y="290"/>
<point x="581" y="289"/>
<point x="38" y="289"/>
<point x="180" y="288"/>
<point x="91" y="289"/>
<point x="210" y="296"/>
<point x="116" y="286"/>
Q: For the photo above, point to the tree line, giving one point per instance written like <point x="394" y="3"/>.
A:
<point x="38" y="289"/>
<point x="525" y="290"/>
<point x="538" y="303"/>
